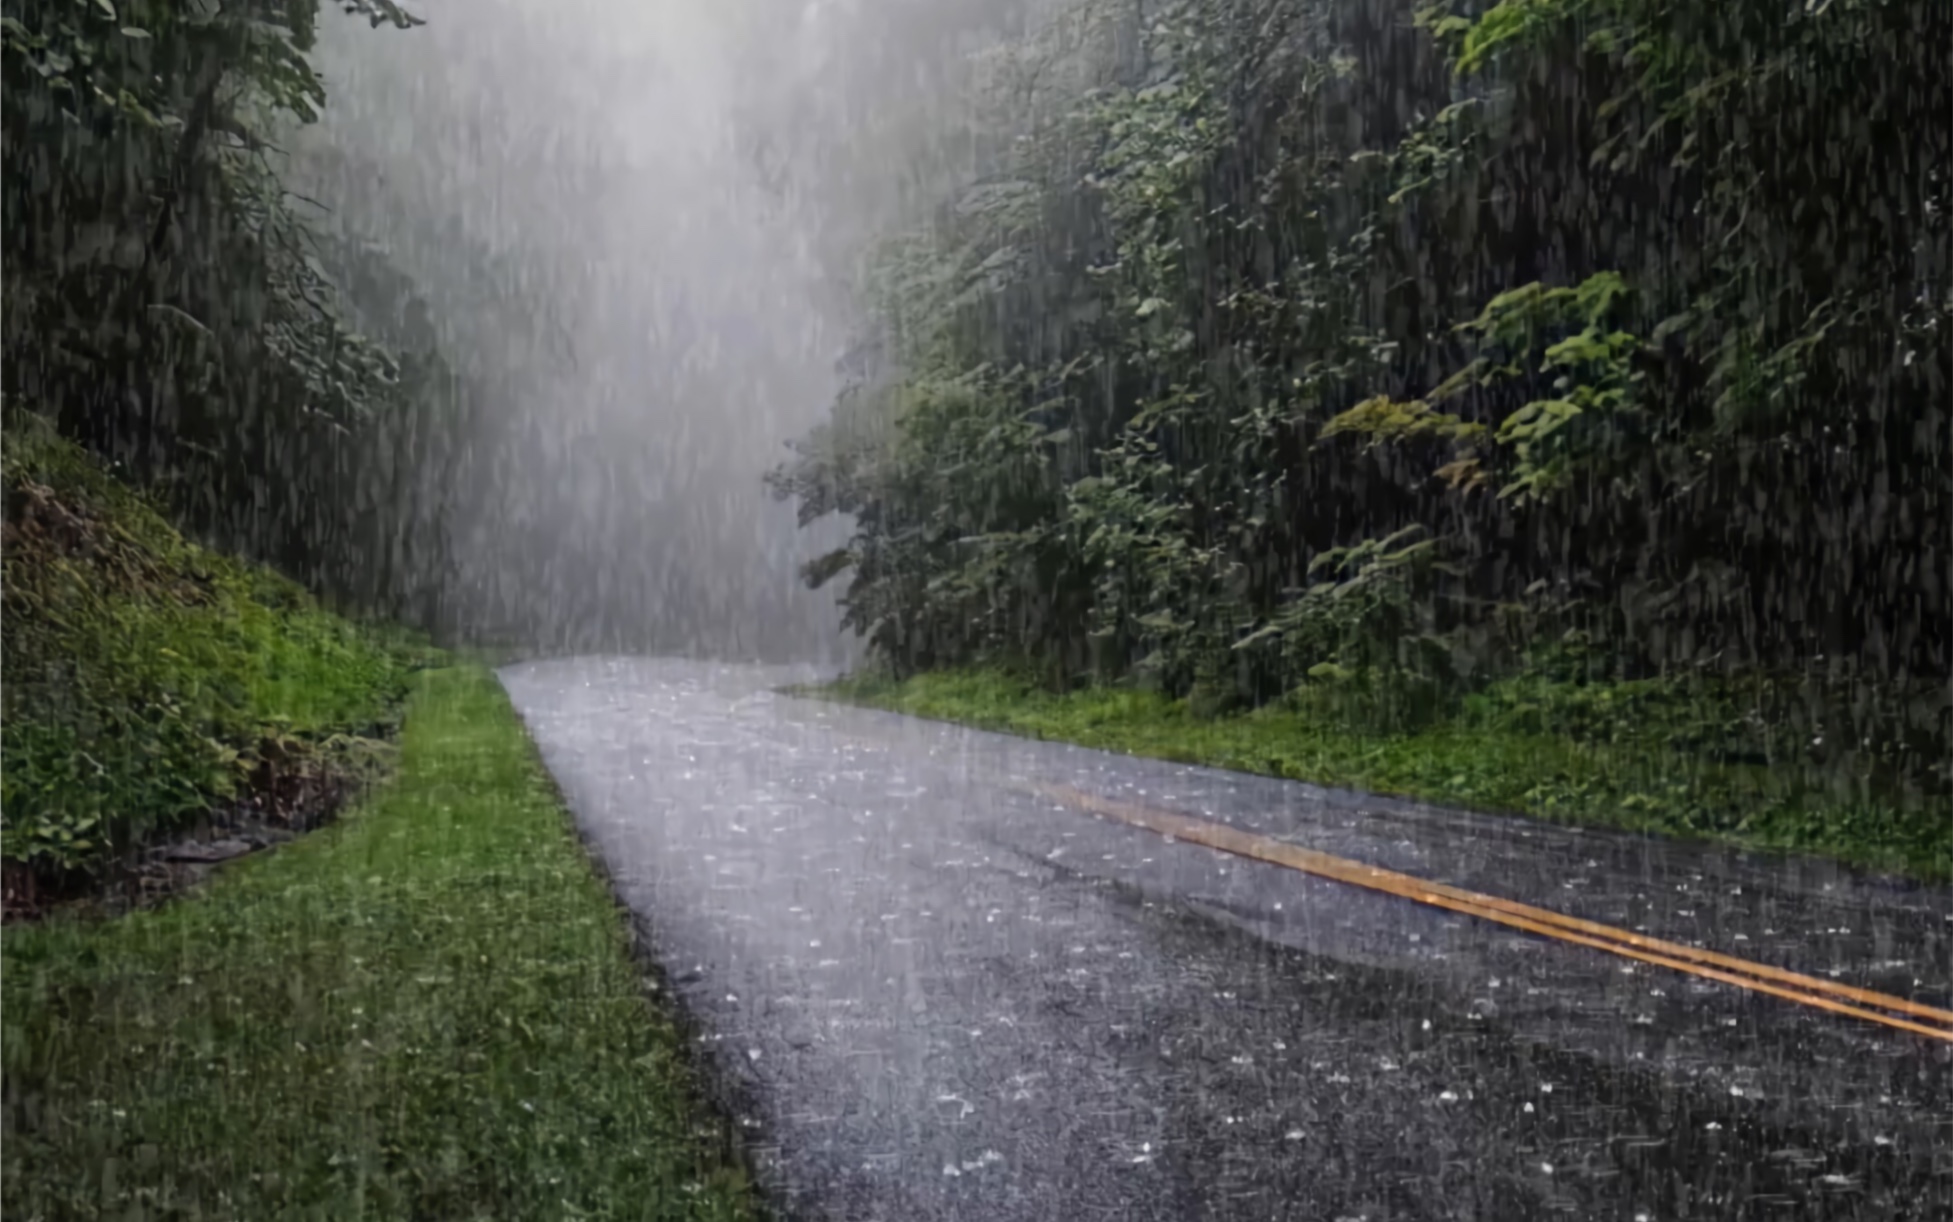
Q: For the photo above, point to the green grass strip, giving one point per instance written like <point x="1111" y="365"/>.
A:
<point x="1457" y="762"/>
<point x="428" y="1010"/>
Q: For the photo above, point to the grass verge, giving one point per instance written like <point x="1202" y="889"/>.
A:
<point x="1475" y="759"/>
<point x="426" y="1010"/>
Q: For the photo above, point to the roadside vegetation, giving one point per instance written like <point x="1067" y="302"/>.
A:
<point x="149" y="681"/>
<point x="184" y="348"/>
<point x="426" y="1007"/>
<point x="429" y="1009"/>
<point x="228" y="462"/>
<point x="1611" y="755"/>
<point x="1539" y="404"/>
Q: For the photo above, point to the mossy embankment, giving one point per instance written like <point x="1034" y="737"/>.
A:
<point x="149" y="681"/>
<point x="1673" y="757"/>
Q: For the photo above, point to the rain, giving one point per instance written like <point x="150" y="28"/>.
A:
<point x="977" y="609"/>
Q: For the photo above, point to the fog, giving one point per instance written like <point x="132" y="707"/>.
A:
<point x="634" y="224"/>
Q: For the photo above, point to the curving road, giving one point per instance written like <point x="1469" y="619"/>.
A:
<point x="932" y="994"/>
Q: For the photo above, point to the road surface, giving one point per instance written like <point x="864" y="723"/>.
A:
<point x="930" y="992"/>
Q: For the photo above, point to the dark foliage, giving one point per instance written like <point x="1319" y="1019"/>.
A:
<point x="1317" y="343"/>
<point x="169" y="307"/>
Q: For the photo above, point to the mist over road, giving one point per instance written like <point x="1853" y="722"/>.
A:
<point x="633" y="226"/>
<point x="930" y="994"/>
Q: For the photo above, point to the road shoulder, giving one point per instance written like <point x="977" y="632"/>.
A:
<point x="428" y="1009"/>
<point x="1456" y="763"/>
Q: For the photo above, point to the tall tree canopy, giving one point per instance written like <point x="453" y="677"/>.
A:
<point x="168" y="303"/>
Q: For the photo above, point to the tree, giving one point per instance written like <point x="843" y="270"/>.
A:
<point x="1634" y="313"/>
<point x="167" y="304"/>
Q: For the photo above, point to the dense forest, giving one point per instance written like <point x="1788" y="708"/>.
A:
<point x="181" y="336"/>
<point x="1351" y="355"/>
<point x="1359" y="354"/>
<point x="171" y="305"/>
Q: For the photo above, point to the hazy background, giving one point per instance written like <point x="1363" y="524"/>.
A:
<point x="634" y="222"/>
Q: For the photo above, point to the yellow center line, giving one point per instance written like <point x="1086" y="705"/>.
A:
<point x="1727" y="969"/>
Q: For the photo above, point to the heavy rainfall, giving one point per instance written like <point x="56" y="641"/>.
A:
<point x="977" y="609"/>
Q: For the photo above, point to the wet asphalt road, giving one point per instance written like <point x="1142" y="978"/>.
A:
<point x="930" y="995"/>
